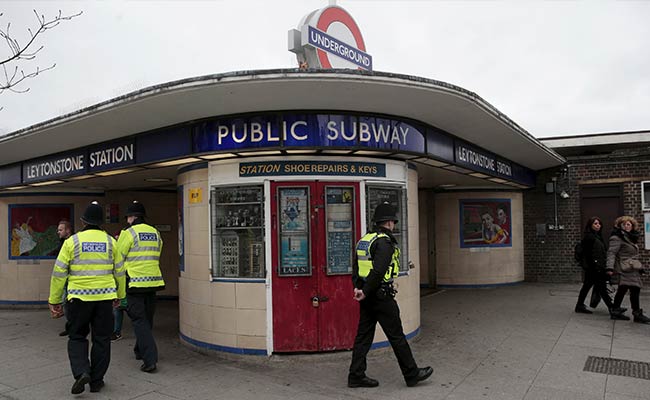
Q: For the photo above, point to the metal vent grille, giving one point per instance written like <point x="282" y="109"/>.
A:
<point x="615" y="366"/>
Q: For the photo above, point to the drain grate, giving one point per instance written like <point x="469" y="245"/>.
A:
<point x="615" y="366"/>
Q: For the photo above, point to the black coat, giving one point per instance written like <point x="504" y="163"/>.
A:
<point x="594" y="251"/>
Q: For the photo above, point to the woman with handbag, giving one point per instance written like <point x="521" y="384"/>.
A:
<point x="594" y="255"/>
<point x="622" y="259"/>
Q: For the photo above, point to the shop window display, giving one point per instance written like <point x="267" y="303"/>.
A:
<point x="237" y="232"/>
<point x="396" y="196"/>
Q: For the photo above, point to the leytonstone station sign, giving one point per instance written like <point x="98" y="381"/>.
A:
<point x="329" y="38"/>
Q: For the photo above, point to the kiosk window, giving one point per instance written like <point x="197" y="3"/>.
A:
<point x="396" y="196"/>
<point x="237" y="231"/>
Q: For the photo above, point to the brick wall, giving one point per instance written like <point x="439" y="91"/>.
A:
<point x="549" y="257"/>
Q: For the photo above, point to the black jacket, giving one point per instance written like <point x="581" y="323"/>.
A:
<point x="381" y="252"/>
<point x="594" y="251"/>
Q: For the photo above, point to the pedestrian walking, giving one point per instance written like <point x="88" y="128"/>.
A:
<point x="93" y="269"/>
<point x="594" y="261"/>
<point x="376" y="264"/>
<point x="64" y="231"/>
<point x="623" y="259"/>
<point x="140" y="244"/>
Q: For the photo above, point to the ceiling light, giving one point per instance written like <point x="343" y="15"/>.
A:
<point x="370" y="153"/>
<point x="45" y="183"/>
<point x="114" y="172"/>
<point x="260" y="153"/>
<point x="218" y="156"/>
<point x="447" y="185"/>
<point x="301" y="151"/>
<point x="336" y="151"/>
<point x="15" y="187"/>
<point x="497" y="180"/>
<point x="175" y="162"/>
<point x="479" y="175"/>
<point x="78" y="178"/>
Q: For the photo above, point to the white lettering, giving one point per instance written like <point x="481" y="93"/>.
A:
<point x="293" y="130"/>
<point x="222" y="132"/>
<point x="332" y="133"/>
<point x="256" y="132"/>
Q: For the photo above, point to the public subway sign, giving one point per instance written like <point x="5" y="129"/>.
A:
<point x="311" y="130"/>
<point x="480" y="160"/>
<point x="329" y="38"/>
<point x="334" y="168"/>
<point x="78" y="162"/>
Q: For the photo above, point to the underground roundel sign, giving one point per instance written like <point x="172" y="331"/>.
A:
<point x="329" y="38"/>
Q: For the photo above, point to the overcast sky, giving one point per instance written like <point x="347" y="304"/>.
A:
<point x="554" y="67"/>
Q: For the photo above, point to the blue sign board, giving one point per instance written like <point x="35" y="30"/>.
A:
<point x="325" y="42"/>
<point x="440" y="146"/>
<point x="481" y="160"/>
<point x="67" y="164"/>
<point x="10" y="175"/>
<point x="111" y="155"/>
<point x="310" y="130"/>
<point x="275" y="131"/>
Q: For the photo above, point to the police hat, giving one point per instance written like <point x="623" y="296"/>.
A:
<point x="94" y="214"/>
<point x="135" y="209"/>
<point x="385" y="212"/>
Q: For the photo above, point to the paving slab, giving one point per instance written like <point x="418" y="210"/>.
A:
<point x="518" y="342"/>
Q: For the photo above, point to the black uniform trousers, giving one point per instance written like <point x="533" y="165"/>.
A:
<point x="598" y="280"/>
<point x="386" y="312"/>
<point x="86" y="317"/>
<point x="141" y="308"/>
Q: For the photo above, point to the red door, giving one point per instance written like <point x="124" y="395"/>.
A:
<point x="315" y="226"/>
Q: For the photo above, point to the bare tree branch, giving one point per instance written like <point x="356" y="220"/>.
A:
<point x="12" y="75"/>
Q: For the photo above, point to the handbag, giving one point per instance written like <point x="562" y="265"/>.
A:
<point x="631" y="264"/>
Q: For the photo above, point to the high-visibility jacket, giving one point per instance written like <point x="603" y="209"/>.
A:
<point x="92" y="267"/>
<point x="364" y="258"/>
<point x="141" y="245"/>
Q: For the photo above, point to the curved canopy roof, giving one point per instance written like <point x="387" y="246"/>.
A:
<point x="450" y="108"/>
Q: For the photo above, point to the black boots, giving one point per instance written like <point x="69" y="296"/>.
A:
<point x="617" y="313"/>
<point x="80" y="383"/>
<point x="639" y="317"/>
<point x="362" y="382"/>
<point x="582" y="309"/>
<point x="423" y="373"/>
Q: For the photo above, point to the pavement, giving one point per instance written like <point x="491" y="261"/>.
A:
<point x="516" y="342"/>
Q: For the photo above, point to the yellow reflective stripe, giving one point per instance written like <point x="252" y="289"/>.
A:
<point x="60" y="264"/>
<point x="60" y="274"/>
<point x="109" y="239"/>
<point x="121" y="273"/>
<point x="134" y="235"/>
<point x="142" y="258"/>
<point x="91" y="272"/>
<point x="119" y="264"/>
<point x="77" y="247"/>
<point x="96" y="261"/>
<point x="151" y="248"/>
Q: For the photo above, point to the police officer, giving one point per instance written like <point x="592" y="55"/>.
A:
<point x="93" y="269"/>
<point x="141" y="244"/>
<point x="376" y="265"/>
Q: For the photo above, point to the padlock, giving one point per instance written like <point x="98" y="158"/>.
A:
<point x="315" y="301"/>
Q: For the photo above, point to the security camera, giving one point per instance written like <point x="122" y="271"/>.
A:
<point x="564" y="194"/>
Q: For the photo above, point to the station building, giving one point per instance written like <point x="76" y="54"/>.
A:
<point x="605" y="175"/>
<point x="261" y="182"/>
